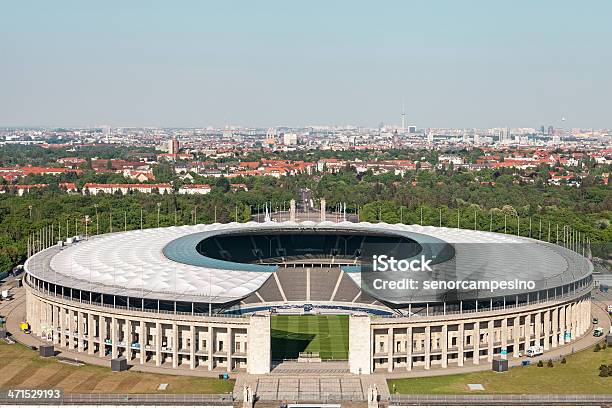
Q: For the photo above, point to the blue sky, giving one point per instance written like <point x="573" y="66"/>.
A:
<point x="267" y="63"/>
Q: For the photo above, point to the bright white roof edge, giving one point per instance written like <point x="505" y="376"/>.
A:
<point x="133" y="262"/>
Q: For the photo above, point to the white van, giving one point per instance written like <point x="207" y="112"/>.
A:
<point x="533" y="351"/>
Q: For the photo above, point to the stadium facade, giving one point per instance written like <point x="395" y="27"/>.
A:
<point x="202" y="296"/>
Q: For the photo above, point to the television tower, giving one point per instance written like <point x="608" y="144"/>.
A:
<point x="403" y="118"/>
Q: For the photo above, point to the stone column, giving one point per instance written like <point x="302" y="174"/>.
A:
<point x="70" y="329"/>
<point x="54" y="324"/>
<point x="409" y="348"/>
<point x="175" y="335"/>
<point x="444" y="346"/>
<point x="460" y="344"/>
<point x="504" y="336"/>
<point x="114" y="338"/>
<point x="476" y="343"/>
<point x="572" y="322"/>
<point x="538" y="328"/>
<point x="62" y="324"/>
<point x="192" y="344"/>
<point x="127" y="337"/>
<point x="516" y="335"/>
<point x="80" y="331"/>
<point x="323" y="209"/>
<point x="390" y="345"/>
<point x="562" y="311"/>
<point x="211" y="348"/>
<point x="491" y="340"/>
<point x="142" y="340"/>
<point x="527" y="330"/>
<point x="102" y="323"/>
<point x="547" y="330"/>
<point x="427" y="347"/>
<point x="292" y="210"/>
<point x="230" y="348"/>
<point x="91" y="331"/>
<point x="259" y="351"/>
<point x="555" y="327"/>
<point x="158" y="343"/>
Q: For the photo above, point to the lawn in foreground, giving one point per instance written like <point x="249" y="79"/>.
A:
<point x="21" y="367"/>
<point x="580" y="375"/>
<point x="323" y="334"/>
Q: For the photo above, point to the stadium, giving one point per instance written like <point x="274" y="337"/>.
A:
<point x="242" y="296"/>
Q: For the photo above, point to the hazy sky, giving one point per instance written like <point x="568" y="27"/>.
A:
<point x="265" y="63"/>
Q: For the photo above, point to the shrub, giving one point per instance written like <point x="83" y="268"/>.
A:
<point x="563" y="360"/>
<point x="597" y="348"/>
<point x="540" y="363"/>
<point x="549" y="363"/>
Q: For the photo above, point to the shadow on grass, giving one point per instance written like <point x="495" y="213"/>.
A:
<point x="288" y="345"/>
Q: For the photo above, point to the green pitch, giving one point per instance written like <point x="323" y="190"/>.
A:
<point x="326" y="335"/>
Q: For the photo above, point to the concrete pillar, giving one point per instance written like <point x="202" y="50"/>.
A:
<point x="114" y="338"/>
<point x="555" y="327"/>
<point x="538" y="328"/>
<point x="54" y="325"/>
<point x="91" y="332"/>
<point x="390" y="346"/>
<point x="192" y="344"/>
<point x="409" y="342"/>
<point x="128" y="338"/>
<point x="546" y="330"/>
<point x="504" y="337"/>
<point x="292" y="210"/>
<point x="476" y="343"/>
<point x="211" y="348"/>
<point x="572" y="322"/>
<point x="516" y="335"/>
<point x="175" y="335"/>
<point x="460" y="344"/>
<point x="562" y="311"/>
<point x="491" y="339"/>
<point x="71" y="330"/>
<point x="444" y="345"/>
<point x="62" y="325"/>
<point x="323" y="205"/>
<point x="102" y="323"/>
<point x="158" y="343"/>
<point x="80" y="331"/>
<point x="230" y="348"/>
<point x="142" y="340"/>
<point x="427" y="347"/>
<point x="259" y="351"/>
<point x="527" y="331"/>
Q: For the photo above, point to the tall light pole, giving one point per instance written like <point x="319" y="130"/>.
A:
<point x="97" y="223"/>
<point x="140" y="217"/>
<point x="158" y="210"/>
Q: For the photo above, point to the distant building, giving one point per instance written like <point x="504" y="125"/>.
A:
<point x="173" y="146"/>
<point x="290" y="139"/>
<point x="95" y="189"/>
<point x="412" y="129"/>
<point x="195" y="189"/>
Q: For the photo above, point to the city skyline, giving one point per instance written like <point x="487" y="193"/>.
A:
<point x="450" y="65"/>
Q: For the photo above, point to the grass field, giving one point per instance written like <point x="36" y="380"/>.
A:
<point x="22" y="368"/>
<point x="580" y="375"/>
<point x="327" y="335"/>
